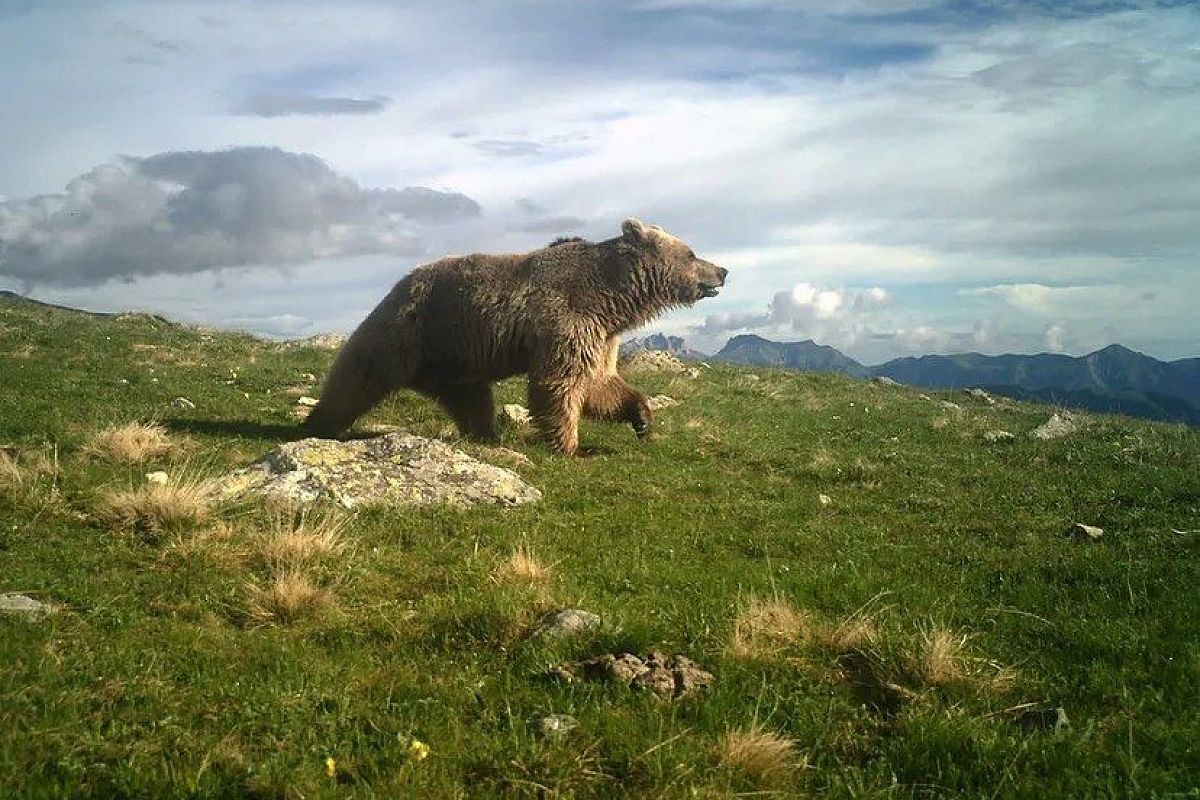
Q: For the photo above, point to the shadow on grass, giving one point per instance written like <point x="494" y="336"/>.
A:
<point x="273" y="431"/>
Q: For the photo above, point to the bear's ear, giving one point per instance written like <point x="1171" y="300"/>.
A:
<point x="634" y="231"/>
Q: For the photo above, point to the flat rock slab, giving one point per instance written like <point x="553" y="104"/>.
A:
<point x="23" y="606"/>
<point x="397" y="468"/>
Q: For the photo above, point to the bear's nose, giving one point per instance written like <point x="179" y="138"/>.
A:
<point x="721" y="273"/>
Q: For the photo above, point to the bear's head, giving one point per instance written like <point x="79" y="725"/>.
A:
<point x="671" y="265"/>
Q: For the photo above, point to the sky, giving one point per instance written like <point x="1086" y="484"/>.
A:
<point x="889" y="177"/>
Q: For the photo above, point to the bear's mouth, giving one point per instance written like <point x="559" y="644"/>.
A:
<point x="710" y="289"/>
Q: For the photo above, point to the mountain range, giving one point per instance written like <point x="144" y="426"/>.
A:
<point x="1114" y="379"/>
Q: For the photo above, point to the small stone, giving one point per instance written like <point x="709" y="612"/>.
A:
<point x="556" y="726"/>
<point x="660" y="401"/>
<point x="516" y="414"/>
<point x="183" y="403"/>
<point x="123" y="381"/>
<point x="566" y="622"/>
<point x="23" y="605"/>
<point x="980" y="394"/>
<point x="949" y="406"/>
<point x="308" y="377"/>
<point x="305" y="400"/>
<point x="1061" y="423"/>
<point x="998" y="436"/>
<point x="1088" y="533"/>
<point x="824" y="499"/>
<point x="884" y="380"/>
<point x="159" y="477"/>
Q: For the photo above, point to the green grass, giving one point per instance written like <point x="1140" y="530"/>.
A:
<point x="154" y="678"/>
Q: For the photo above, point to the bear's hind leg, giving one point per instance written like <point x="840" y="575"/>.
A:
<point x="472" y="407"/>
<point x="610" y="398"/>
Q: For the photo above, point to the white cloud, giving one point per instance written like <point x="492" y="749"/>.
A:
<point x="1053" y="338"/>
<point x="194" y="211"/>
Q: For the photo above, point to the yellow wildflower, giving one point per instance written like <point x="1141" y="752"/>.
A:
<point x="331" y="766"/>
<point x="418" y="750"/>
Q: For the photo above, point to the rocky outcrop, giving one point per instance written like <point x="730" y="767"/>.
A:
<point x="397" y="468"/>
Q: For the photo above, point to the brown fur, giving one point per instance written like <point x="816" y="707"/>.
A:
<point x="451" y="328"/>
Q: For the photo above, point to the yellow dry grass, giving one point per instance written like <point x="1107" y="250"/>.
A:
<point x="765" y="626"/>
<point x="940" y="660"/>
<point x="522" y="566"/>
<point x="11" y="474"/>
<point x="292" y="541"/>
<point x="763" y="755"/>
<point x="288" y="597"/>
<point x="156" y="507"/>
<point x="130" y="443"/>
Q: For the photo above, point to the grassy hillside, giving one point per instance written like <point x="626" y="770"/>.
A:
<point x="907" y="638"/>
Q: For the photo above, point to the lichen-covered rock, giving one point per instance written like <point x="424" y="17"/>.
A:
<point x="980" y="394"/>
<point x="23" y="606"/>
<point x="515" y="414"/>
<point x="996" y="436"/>
<point x="1061" y="423"/>
<point x="395" y="469"/>
<point x="658" y="361"/>
<point x="322" y="341"/>
<point x="661" y="401"/>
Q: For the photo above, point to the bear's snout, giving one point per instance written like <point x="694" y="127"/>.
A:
<point x="710" y="278"/>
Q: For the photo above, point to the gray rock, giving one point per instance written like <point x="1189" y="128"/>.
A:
<point x="183" y="403"/>
<point x="24" y="606"/>
<point x="1061" y="423"/>
<point x="1088" y="533"/>
<point x="306" y="401"/>
<point x="884" y="380"/>
<point x="397" y="468"/>
<point x="949" y="406"/>
<point x="980" y="394"/>
<point x="660" y="401"/>
<point x="565" y="622"/>
<point x="998" y="436"/>
<point x="556" y="726"/>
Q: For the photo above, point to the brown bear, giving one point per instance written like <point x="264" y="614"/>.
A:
<point x="451" y="328"/>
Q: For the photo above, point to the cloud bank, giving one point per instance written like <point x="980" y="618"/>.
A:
<point x="187" y="212"/>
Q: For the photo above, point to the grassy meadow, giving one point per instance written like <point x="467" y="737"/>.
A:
<point x="888" y="601"/>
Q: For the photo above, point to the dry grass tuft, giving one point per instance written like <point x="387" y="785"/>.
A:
<point x="11" y="474"/>
<point x="290" y="596"/>
<point x="156" y="507"/>
<point x="766" y="626"/>
<point x="293" y="541"/>
<point x="130" y="443"/>
<point x="856" y="633"/>
<point x="765" y="756"/>
<point x="941" y="660"/>
<point x="522" y="566"/>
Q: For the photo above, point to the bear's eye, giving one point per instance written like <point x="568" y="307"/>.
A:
<point x="692" y="255"/>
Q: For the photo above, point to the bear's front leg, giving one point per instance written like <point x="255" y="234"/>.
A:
<point x="610" y="398"/>
<point x="555" y="407"/>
